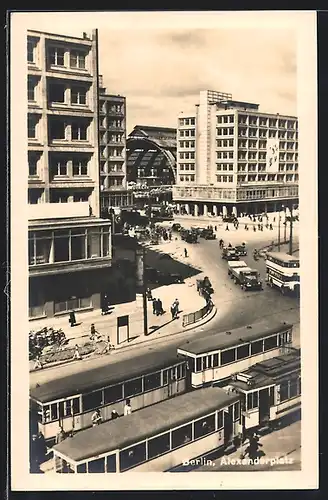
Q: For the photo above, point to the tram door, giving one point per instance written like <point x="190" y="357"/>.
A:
<point x="264" y="406"/>
<point x="227" y="425"/>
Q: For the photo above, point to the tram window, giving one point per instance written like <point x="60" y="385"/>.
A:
<point x="111" y="463"/>
<point x="181" y="436"/>
<point x="165" y="377"/>
<point x="252" y="400"/>
<point x="270" y="343"/>
<point x="209" y="361"/>
<point x="243" y="351"/>
<point x="67" y="467"/>
<point x="285" y="338"/>
<point x="81" y="469"/>
<point x="236" y="411"/>
<point x="152" y="381"/>
<point x="158" y="445"/>
<point x="53" y="412"/>
<point x="216" y="359"/>
<point x="228" y="356"/>
<point x="183" y="370"/>
<point x="97" y="465"/>
<point x="132" y="456"/>
<point x="204" y="426"/>
<point x="113" y="393"/>
<point x="293" y="388"/>
<point x="198" y="364"/>
<point x="92" y="400"/>
<point x="271" y="396"/>
<point x="133" y="387"/>
<point x="179" y="371"/>
<point x="257" y="347"/>
<point x="173" y="373"/>
<point x="284" y="391"/>
<point x="220" y="419"/>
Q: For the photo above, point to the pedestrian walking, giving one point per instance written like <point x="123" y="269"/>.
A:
<point x="215" y="228"/>
<point x="176" y="308"/>
<point x="154" y="306"/>
<point x="149" y="294"/>
<point x="229" y="246"/>
<point x="38" y="363"/>
<point x="271" y="227"/>
<point x="114" y="415"/>
<point x="173" y="311"/>
<point x="185" y="252"/>
<point x="127" y="408"/>
<point x="246" y="227"/>
<point x="72" y="318"/>
<point x="108" y="347"/>
<point x="227" y="228"/>
<point x="274" y="219"/>
<point x="221" y="243"/>
<point x="96" y="418"/>
<point x="170" y="236"/>
<point x="254" y="228"/>
<point x="61" y="435"/>
<point x="160" y="310"/>
<point x="77" y="354"/>
<point x="105" y="305"/>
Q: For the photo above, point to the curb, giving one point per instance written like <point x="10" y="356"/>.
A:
<point x="199" y="323"/>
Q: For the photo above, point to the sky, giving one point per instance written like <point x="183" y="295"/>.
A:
<point x="161" y="68"/>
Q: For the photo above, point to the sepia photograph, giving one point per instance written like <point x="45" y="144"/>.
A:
<point x="164" y="250"/>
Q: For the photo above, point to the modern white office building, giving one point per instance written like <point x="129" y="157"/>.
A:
<point x="232" y="158"/>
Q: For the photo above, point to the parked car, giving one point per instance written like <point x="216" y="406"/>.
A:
<point x="208" y="234"/>
<point x="241" y="249"/>
<point x="230" y="254"/>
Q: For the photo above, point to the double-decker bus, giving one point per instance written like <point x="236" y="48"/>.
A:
<point x="283" y="271"/>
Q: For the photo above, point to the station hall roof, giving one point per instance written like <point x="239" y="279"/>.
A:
<point x="163" y="137"/>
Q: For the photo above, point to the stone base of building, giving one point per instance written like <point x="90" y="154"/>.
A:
<point x="251" y="207"/>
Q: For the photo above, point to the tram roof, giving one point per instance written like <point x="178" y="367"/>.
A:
<point x="222" y="340"/>
<point x="145" y="423"/>
<point x="283" y="256"/>
<point x="96" y="378"/>
<point x="271" y="371"/>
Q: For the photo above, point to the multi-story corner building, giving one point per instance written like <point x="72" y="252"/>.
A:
<point x="232" y="158"/>
<point x="69" y="244"/>
<point x="112" y="136"/>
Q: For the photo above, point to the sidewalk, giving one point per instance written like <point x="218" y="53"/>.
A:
<point x="158" y="326"/>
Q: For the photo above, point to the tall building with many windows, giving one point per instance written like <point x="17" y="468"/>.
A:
<point x="112" y="136"/>
<point x="69" y="244"/>
<point x="232" y="158"/>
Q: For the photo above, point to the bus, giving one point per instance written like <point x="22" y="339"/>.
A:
<point x="283" y="271"/>
<point x="270" y="391"/>
<point x="69" y="401"/>
<point x="218" y="355"/>
<point x="156" y="438"/>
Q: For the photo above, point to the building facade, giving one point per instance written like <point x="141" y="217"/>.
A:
<point x="232" y="158"/>
<point x="69" y="244"/>
<point x="112" y="136"/>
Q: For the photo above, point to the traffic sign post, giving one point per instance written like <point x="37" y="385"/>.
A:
<point x="121" y="322"/>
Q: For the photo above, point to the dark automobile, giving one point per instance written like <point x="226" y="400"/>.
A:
<point x="176" y="226"/>
<point x="241" y="249"/>
<point x="208" y="234"/>
<point x="230" y="254"/>
<point x="169" y="278"/>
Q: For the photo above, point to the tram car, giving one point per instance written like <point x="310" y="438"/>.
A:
<point x="215" y="357"/>
<point x="156" y="438"/>
<point x="70" y="401"/>
<point x="270" y="391"/>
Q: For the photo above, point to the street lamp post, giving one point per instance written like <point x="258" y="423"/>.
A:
<point x="279" y="218"/>
<point x="141" y="284"/>
<point x="291" y="232"/>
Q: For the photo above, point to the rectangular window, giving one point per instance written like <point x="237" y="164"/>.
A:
<point x="78" y="95"/>
<point x="96" y="466"/>
<point x="270" y="343"/>
<point x="228" y="356"/>
<point x="256" y="347"/>
<point x="31" y="127"/>
<point x="30" y="51"/>
<point x="133" y="387"/>
<point x="271" y="396"/>
<point x="92" y="400"/>
<point x="215" y="360"/>
<point x="236" y="411"/>
<point x="80" y="167"/>
<point x="79" y="132"/>
<point x="56" y="92"/>
<point x="158" y="445"/>
<point x="32" y="166"/>
<point x="81" y="469"/>
<point x="57" y="130"/>
<point x="31" y="87"/>
<point x="57" y="56"/>
<point x="181" y="436"/>
<point x="113" y="393"/>
<point x="243" y="351"/>
<point x="293" y="388"/>
<point x="77" y="59"/>
<point x="61" y="249"/>
<point x="220" y="419"/>
<point x="152" y="381"/>
<point x="132" y="456"/>
<point x="204" y="426"/>
<point x="111" y="463"/>
<point x="284" y="391"/>
<point x="198" y="364"/>
<point x="252" y="400"/>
